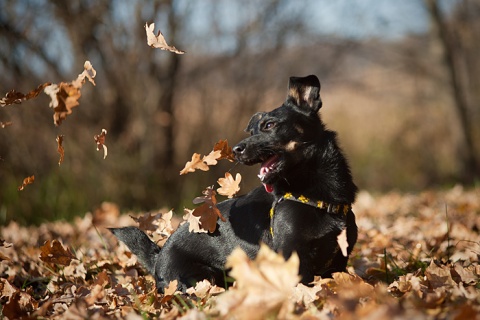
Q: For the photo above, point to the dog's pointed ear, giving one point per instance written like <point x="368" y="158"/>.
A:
<point x="304" y="92"/>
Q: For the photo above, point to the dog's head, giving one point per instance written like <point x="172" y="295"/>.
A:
<point x="279" y="138"/>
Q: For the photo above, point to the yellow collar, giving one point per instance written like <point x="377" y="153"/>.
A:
<point x="330" y="208"/>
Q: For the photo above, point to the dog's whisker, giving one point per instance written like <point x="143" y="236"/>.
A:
<point x="234" y="166"/>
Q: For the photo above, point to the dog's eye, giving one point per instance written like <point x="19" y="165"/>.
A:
<point x="268" y="125"/>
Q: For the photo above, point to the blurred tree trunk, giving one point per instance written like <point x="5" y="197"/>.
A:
<point x="454" y="62"/>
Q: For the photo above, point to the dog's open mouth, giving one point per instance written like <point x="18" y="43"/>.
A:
<point x="268" y="168"/>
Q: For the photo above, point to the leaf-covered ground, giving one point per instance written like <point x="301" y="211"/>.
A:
<point x="417" y="257"/>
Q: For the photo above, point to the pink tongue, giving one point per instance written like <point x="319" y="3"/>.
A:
<point x="268" y="187"/>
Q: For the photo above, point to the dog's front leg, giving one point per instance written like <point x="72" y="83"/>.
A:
<point x="291" y="233"/>
<point x="311" y="233"/>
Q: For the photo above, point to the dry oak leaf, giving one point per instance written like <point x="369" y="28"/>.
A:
<point x="147" y="221"/>
<point x="464" y="275"/>
<point x="229" y="186"/>
<point x="65" y="96"/>
<point x="165" y="227"/>
<point x="193" y="222"/>
<point x="264" y="285"/>
<point x="54" y="252"/>
<point x="208" y="216"/>
<point x="26" y="182"/>
<point x="100" y="140"/>
<point x="342" y="242"/>
<point x="60" y="149"/>
<point x="208" y="212"/>
<point x="17" y="97"/>
<point x="225" y="151"/>
<point x="195" y="163"/>
<point x="212" y="157"/>
<point x="159" y="222"/>
<point x="439" y="276"/>
<point x="158" y="41"/>
<point x="170" y="291"/>
<point x="20" y="305"/>
<point x="204" y="288"/>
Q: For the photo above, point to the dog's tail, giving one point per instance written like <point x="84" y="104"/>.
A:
<point x="140" y="244"/>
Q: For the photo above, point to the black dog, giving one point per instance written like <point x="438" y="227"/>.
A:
<point x="304" y="205"/>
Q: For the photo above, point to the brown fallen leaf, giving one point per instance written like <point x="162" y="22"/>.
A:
<point x="100" y="140"/>
<point x="194" y="164"/>
<point x="26" y="182"/>
<point x="19" y="306"/>
<point x="229" y="186"/>
<point x="439" y="276"/>
<point x="60" y="149"/>
<point x="265" y="285"/>
<point x="158" y="41"/>
<point x="54" y="252"/>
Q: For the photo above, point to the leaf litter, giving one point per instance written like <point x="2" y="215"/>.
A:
<point x="417" y="257"/>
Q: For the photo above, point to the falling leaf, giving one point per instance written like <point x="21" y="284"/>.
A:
<point x="208" y="216"/>
<point x="64" y="96"/>
<point x="208" y="212"/>
<point x="26" y="182"/>
<point x="229" y="186"/>
<point x="208" y="196"/>
<point x="100" y="140"/>
<point x="5" y="124"/>
<point x="54" y="252"/>
<point x="212" y="157"/>
<point x="158" y="41"/>
<point x="14" y="97"/>
<point x="60" y="149"/>
<point x="342" y="242"/>
<point x="220" y="151"/>
<point x="225" y="150"/>
<point x="195" y="163"/>
<point x="193" y="222"/>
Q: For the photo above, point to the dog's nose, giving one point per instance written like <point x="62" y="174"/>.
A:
<point x="239" y="149"/>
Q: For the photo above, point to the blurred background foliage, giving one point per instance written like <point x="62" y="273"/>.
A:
<point x="400" y="84"/>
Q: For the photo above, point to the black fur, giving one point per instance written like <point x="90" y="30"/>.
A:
<point x="298" y="155"/>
